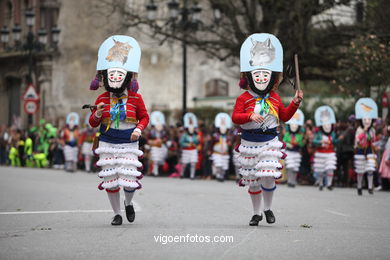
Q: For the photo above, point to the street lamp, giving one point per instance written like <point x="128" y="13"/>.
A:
<point x="30" y="18"/>
<point x="55" y="33"/>
<point x="4" y="35"/>
<point x="152" y="10"/>
<point x="190" y="18"/>
<point x="42" y="36"/>
<point x="32" y="42"/>
<point x="16" y="34"/>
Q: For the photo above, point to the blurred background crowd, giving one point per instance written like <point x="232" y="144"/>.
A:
<point x="43" y="146"/>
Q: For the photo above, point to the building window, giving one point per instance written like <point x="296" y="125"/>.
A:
<point x="216" y="87"/>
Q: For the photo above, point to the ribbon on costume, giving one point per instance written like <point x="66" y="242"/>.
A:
<point x="266" y="106"/>
<point x="117" y="111"/>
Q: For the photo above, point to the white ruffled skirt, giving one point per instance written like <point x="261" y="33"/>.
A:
<point x="365" y="163"/>
<point x="293" y="160"/>
<point x="158" y="154"/>
<point x="70" y="153"/>
<point x="324" y="162"/>
<point x="86" y="148"/>
<point x="260" y="159"/>
<point x="220" y="160"/>
<point x="189" y="156"/>
<point x="120" y="165"/>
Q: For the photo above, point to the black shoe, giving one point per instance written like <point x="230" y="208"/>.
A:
<point x="330" y="188"/>
<point x="255" y="220"/>
<point x="117" y="220"/>
<point x="360" y="192"/>
<point x="130" y="213"/>
<point x="321" y="187"/>
<point x="290" y="185"/>
<point x="269" y="216"/>
<point x="371" y="191"/>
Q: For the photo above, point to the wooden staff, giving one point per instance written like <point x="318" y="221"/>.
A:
<point x="90" y="106"/>
<point x="298" y="82"/>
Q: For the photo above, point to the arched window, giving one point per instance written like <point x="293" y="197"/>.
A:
<point x="216" y="87"/>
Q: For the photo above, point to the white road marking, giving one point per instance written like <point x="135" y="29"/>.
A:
<point x="337" y="213"/>
<point x="137" y="208"/>
<point x="237" y="245"/>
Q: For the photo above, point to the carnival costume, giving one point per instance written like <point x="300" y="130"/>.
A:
<point x="122" y="116"/>
<point x="188" y="143"/>
<point x="156" y="139"/>
<point x="294" y="142"/>
<point x="325" y="159"/>
<point x="258" y="112"/>
<point x="86" y="141"/>
<point x="70" y="136"/>
<point x="365" y="157"/>
<point x="220" y="146"/>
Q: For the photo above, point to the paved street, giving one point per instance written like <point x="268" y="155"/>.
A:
<point x="49" y="214"/>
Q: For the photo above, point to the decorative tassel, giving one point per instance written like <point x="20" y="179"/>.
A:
<point x="133" y="86"/>
<point x="243" y="83"/>
<point x="95" y="83"/>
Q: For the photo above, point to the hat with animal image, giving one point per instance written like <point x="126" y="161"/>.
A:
<point x="119" y="51"/>
<point x="261" y="51"/>
<point x="190" y="120"/>
<point x="157" y="118"/>
<point x="324" y="115"/>
<point x="223" y="119"/>
<point x="297" y="119"/>
<point x="72" y="118"/>
<point x="366" y="108"/>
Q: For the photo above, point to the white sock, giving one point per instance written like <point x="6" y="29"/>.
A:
<point x="256" y="199"/>
<point x="329" y="177"/>
<point x="359" y="181"/>
<point x="370" y="178"/>
<point x="87" y="162"/>
<point x="192" y="170"/>
<point x="155" y="169"/>
<point x="268" y="183"/>
<point x="294" y="178"/>
<point x="183" y="169"/>
<point x="289" y="176"/>
<point x="321" y="179"/>
<point x="114" y="201"/>
<point x="129" y="194"/>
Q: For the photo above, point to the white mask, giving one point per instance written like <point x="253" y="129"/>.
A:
<point x="191" y="129"/>
<point x="366" y="122"/>
<point x="261" y="78"/>
<point x="327" y="128"/>
<point x="294" y="127"/>
<point x="159" y="127"/>
<point x="223" y="129"/>
<point x="116" y="76"/>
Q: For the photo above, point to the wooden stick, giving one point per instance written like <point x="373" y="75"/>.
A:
<point x="91" y="106"/>
<point x="298" y="81"/>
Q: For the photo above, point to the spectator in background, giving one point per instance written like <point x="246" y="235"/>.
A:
<point x="4" y="137"/>
<point x="345" y="151"/>
<point x="307" y="154"/>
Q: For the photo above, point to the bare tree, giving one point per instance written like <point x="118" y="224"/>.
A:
<point x="221" y="36"/>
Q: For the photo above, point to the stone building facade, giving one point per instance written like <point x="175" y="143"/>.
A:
<point x="63" y="76"/>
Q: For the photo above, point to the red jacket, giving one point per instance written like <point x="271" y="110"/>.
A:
<point x="245" y="105"/>
<point x="135" y="110"/>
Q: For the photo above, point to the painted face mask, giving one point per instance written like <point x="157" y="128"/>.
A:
<point x="327" y="128"/>
<point x="294" y="128"/>
<point x="366" y="122"/>
<point x="159" y="127"/>
<point x="261" y="78"/>
<point x="116" y="77"/>
<point x="223" y="129"/>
